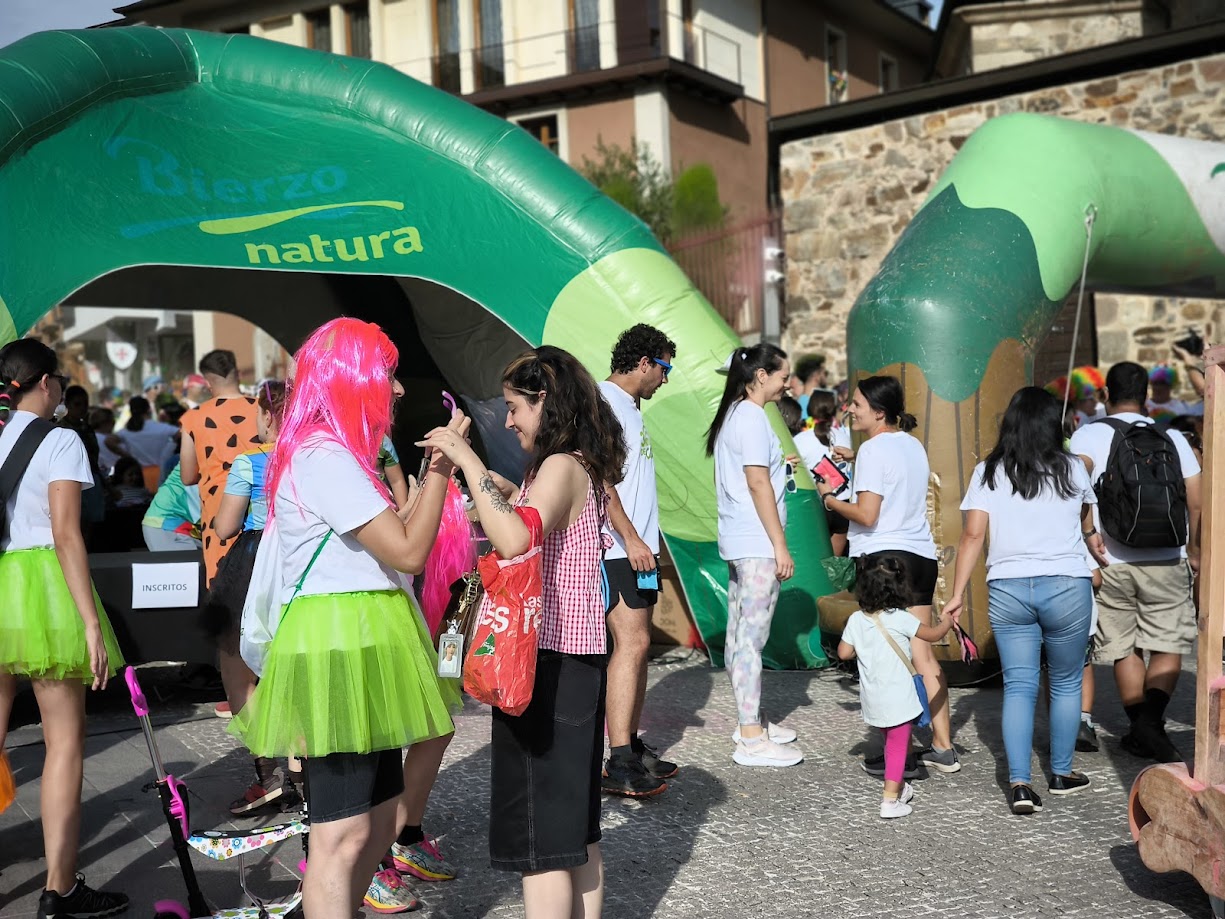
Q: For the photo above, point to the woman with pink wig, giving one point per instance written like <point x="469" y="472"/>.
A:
<point x="349" y="679"/>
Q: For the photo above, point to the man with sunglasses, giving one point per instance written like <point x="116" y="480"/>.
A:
<point x="641" y="363"/>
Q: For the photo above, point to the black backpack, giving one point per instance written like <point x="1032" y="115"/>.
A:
<point x="17" y="463"/>
<point x="1142" y="496"/>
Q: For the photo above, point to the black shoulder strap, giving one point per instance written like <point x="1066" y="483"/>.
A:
<point x="18" y="461"/>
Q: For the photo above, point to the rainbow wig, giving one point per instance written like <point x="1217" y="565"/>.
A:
<point x="1089" y="376"/>
<point x="1057" y="388"/>
<point x="453" y="555"/>
<point x="1164" y="373"/>
<point x="342" y="390"/>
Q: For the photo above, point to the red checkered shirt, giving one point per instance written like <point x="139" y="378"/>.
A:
<point x="573" y="620"/>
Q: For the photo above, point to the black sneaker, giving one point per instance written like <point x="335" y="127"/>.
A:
<point x="1068" y="784"/>
<point x="1086" y="738"/>
<point x="876" y="766"/>
<point x="262" y="793"/>
<point x="629" y="778"/>
<point x="1025" y="800"/>
<point x="660" y="768"/>
<point x="1149" y="741"/>
<point x="82" y="902"/>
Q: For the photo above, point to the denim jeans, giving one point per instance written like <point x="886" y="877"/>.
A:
<point x="1028" y="614"/>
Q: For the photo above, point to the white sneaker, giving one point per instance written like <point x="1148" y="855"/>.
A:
<point x="907" y="794"/>
<point x="766" y="752"/>
<point x="777" y="732"/>
<point x="890" y="810"/>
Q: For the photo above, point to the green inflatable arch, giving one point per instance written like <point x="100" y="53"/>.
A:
<point x="170" y="168"/>
<point x="972" y="286"/>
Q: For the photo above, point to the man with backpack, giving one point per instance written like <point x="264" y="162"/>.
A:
<point x="1147" y="482"/>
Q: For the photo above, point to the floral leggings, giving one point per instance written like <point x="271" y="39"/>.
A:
<point x="752" y="593"/>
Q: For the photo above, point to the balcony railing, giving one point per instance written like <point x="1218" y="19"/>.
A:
<point x="577" y="50"/>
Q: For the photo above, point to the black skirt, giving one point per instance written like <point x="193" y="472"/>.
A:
<point x="222" y="612"/>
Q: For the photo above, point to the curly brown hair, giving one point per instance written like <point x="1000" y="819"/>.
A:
<point x="574" y="417"/>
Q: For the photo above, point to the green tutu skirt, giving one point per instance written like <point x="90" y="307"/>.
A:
<point x="41" y="632"/>
<point x="347" y="673"/>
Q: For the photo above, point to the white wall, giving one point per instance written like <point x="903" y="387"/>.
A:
<point x="652" y="125"/>
<point x="408" y="37"/>
<point x="288" y="29"/>
<point x="535" y="35"/>
<point x="732" y="29"/>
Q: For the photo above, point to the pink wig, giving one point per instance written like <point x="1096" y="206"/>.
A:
<point x="341" y="389"/>
<point x="453" y="555"/>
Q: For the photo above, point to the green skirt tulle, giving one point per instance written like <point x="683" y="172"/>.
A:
<point x="347" y="673"/>
<point x="41" y="632"/>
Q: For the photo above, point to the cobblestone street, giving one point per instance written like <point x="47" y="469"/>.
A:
<point x="723" y="841"/>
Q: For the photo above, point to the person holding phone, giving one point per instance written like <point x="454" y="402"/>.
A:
<point x="888" y="516"/>
<point x="750" y="482"/>
<point x="641" y="361"/>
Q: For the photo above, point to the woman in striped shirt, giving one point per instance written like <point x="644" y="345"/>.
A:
<point x="545" y="813"/>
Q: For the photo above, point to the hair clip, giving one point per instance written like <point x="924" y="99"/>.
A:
<point x="15" y="384"/>
<point x="5" y="397"/>
<point x="744" y="355"/>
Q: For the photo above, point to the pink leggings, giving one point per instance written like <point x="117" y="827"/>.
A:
<point x="897" y="745"/>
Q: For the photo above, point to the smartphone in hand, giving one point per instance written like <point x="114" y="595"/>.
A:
<point x="825" y="471"/>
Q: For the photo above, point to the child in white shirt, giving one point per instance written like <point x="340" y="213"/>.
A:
<point x="887" y="691"/>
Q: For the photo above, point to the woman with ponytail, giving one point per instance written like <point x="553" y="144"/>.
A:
<point x="750" y="482"/>
<point x="350" y="678"/>
<point x="53" y="629"/>
<point x="888" y="517"/>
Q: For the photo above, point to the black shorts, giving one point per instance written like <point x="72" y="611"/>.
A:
<point x="343" y="785"/>
<point x="836" y="523"/>
<point x="221" y="614"/>
<point x="623" y="585"/>
<point x="921" y="573"/>
<point x="545" y="768"/>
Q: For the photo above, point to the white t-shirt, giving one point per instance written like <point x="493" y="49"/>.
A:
<point x="812" y="451"/>
<point x="840" y="436"/>
<point x="746" y="439"/>
<point x="893" y="465"/>
<point x="638" y="492"/>
<point x="1029" y="539"/>
<point x="1173" y="407"/>
<point x="151" y="444"/>
<point x="61" y="457"/>
<point x="325" y="489"/>
<point x="1093" y="441"/>
<point x="886" y="689"/>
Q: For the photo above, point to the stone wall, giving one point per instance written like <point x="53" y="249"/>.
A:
<point x="1002" y="35"/>
<point x="848" y="196"/>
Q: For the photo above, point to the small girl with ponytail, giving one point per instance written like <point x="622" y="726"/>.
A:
<point x="886" y="688"/>
<point x="53" y="629"/>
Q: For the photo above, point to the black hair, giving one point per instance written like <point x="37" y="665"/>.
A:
<point x="808" y="364"/>
<point x="575" y="417"/>
<point x="884" y="394"/>
<point x="1030" y="446"/>
<point x="219" y="363"/>
<point x="122" y="466"/>
<point x="139" y="409"/>
<point x="23" y="364"/>
<point x="1188" y="426"/>
<point x="638" y="342"/>
<point x="1127" y="382"/>
<point x="821" y="409"/>
<point x="75" y="392"/>
<point x="881" y="583"/>
<point x="793" y="415"/>
<point x="745" y="364"/>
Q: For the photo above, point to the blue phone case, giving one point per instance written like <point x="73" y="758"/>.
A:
<point x="648" y="580"/>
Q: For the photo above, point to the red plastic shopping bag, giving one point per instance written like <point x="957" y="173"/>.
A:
<point x="500" y="667"/>
<point x="8" y="788"/>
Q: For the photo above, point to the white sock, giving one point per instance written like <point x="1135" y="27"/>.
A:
<point x="1087" y="718"/>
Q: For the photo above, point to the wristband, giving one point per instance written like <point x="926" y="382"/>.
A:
<point x="1089" y="533"/>
<point x="825" y="501"/>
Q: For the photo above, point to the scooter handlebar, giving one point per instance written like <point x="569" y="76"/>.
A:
<point x="139" y="702"/>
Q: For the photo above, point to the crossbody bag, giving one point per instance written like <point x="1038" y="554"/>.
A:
<point x="18" y="461"/>
<point x="919" y="687"/>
